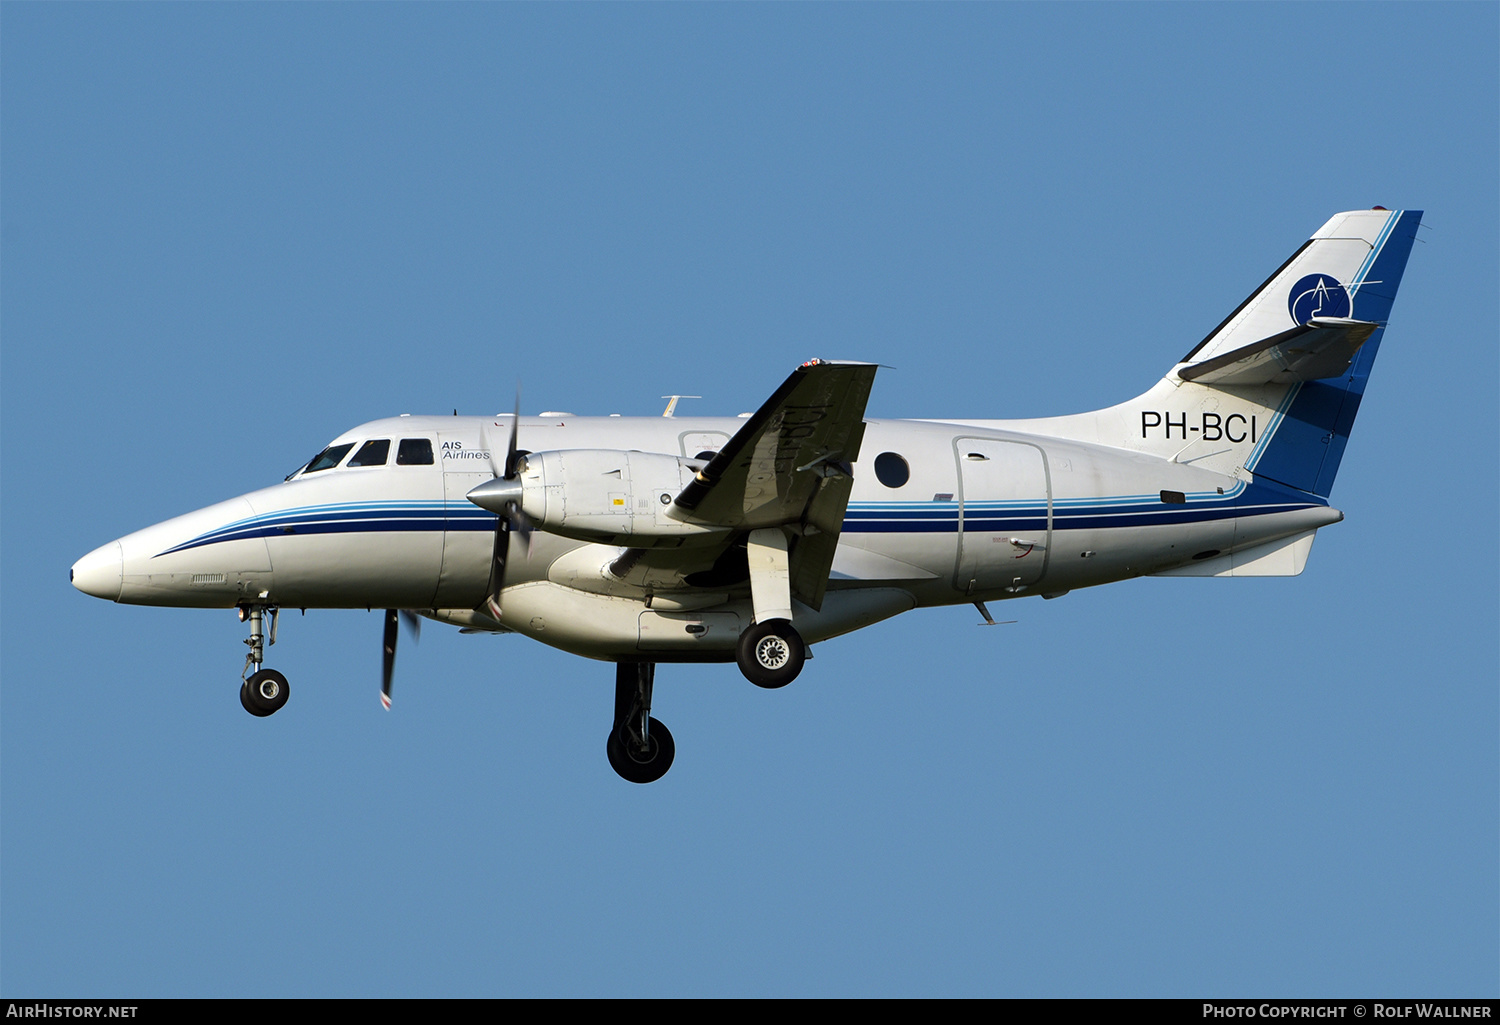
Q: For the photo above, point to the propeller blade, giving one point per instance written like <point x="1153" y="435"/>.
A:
<point x="515" y="426"/>
<point x="413" y="624"/>
<point x="507" y="469"/>
<point x="502" y="496"/>
<point x="520" y="526"/>
<point x="497" y="566"/>
<point x="497" y="470"/>
<point x="388" y="658"/>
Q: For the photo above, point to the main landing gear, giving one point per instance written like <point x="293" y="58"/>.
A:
<point x="640" y="749"/>
<point x="771" y="653"/>
<point x="265" y="690"/>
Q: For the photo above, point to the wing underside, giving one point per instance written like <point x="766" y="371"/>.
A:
<point x="789" y="466"/>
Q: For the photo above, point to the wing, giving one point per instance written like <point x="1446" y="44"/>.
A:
<point x="1323" y="347"/>
<point x="777" y="468"/>
<point x="790" y="466"/>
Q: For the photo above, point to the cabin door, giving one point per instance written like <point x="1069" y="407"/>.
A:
<point x="1005" y="515"/>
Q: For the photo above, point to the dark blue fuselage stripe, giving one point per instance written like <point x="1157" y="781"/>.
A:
<point x="342" y="523"/>
<point x="857" y="522"/>
<point x="1081" y="520"/>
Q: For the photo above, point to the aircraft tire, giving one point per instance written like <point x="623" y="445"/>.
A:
<point x="634" y="767"/>
<point x="245" y="700"/>
<point x="771" y="654"/>
<point x="264" y="693"/>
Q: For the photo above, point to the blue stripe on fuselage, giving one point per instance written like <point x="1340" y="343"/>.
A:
<point x="1258" y="499"/>
<point x="370" y="517"/>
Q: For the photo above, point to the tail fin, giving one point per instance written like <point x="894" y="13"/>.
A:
<point x="1274" y="389"/>
<point x="1305" y="445"/>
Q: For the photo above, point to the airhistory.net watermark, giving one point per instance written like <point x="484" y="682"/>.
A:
<point x="49" y="1009"/>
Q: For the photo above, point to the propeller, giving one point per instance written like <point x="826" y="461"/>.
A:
<point x="388" y="651"/>
<point x="502" y="496"/>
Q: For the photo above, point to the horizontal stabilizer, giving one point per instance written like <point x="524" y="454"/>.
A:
<point x="1324" y="347"/>
<point x="1286" y="557"/>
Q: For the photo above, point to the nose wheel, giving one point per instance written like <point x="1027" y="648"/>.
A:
<point x="265" y="690"/>
<point x="264" y="693"/>
<point x="640" y="748"/>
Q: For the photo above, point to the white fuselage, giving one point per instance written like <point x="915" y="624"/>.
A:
<point x="984" y="512"/>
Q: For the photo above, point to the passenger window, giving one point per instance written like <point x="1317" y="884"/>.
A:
<point x="891" y="470"/>
<point x="414" y="452"/>
<point x="372" y="453"/>
<point x="330" y="456"/>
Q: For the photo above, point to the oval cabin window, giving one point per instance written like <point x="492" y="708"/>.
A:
<point x="891" y="470"/>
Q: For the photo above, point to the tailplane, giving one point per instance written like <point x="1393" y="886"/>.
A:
<point x="1274" y="389"/>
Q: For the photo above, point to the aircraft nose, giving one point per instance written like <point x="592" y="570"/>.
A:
<point x="100" y="572"/>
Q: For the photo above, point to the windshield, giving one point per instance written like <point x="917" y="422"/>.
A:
<point x="330" y="456"/>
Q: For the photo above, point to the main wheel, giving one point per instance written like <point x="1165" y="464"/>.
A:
<point x="635" y="765"/>
<point x="770" y="654"/>
<point x="264" y="693"/>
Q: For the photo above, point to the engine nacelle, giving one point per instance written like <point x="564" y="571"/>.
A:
<point x="604" y="495"/>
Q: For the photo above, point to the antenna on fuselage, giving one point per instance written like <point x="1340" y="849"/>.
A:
<point x="988" y="619"/>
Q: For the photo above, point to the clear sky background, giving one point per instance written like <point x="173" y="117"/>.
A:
<point x="231" y="232"/>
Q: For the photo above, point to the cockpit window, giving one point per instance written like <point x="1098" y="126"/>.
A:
<point x="330" y="456"/>
<point x="372" y="453"/>
<point x="414" y="452"/>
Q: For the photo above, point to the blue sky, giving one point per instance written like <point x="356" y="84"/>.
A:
<point x="231" y="232"/>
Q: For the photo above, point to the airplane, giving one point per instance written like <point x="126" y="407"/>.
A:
<point x="643" y="540"/>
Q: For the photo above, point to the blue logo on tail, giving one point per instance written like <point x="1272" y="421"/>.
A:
<point x="1318" y="295"/>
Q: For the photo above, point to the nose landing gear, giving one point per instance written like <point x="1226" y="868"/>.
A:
<point x="265" y="690"/>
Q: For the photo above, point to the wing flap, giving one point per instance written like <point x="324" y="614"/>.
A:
<point x="790" y="465"/>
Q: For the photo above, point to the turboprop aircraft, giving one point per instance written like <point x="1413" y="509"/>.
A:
<point x="675" y="539"/>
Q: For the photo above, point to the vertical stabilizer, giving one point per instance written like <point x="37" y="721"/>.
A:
<point x="1274" y="389"/>
<point x="1307" y="442"/>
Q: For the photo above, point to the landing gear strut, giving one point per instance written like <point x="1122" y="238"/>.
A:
<point x="770" y="652"/>
<point x="265" y="690"/>
<point x="640" y="749"/>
